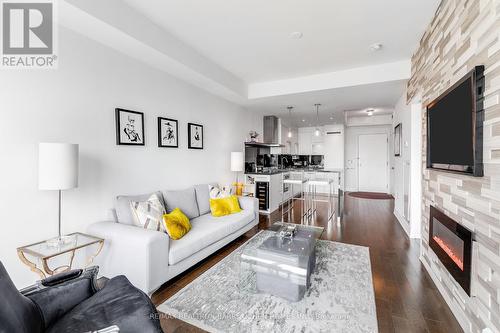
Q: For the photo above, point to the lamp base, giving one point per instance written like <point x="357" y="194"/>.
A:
<point x="60" y="241"/>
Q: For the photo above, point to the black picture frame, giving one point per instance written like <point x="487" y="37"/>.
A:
<point x="397" y="140"/>
<point x="132" y="138"/>
<point x="161" y="132"/>
<point x="191" y="136"/>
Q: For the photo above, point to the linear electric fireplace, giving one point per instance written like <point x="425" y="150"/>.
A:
<point x="452" y="244"/>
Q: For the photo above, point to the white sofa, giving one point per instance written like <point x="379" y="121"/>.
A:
<point x="150" y="258"/>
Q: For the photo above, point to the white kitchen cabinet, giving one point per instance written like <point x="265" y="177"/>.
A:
<point x="277" y="150"/>
<point x="318" y="149"/>
<point x="319" y="138"/>
<point x="290" y="144"/>
<point x="305" y="141"/>
<point x="275" y="191"/>
<point x="309" y="143"/>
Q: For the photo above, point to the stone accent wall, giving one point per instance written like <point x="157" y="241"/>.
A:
<point x="463" y="34"/>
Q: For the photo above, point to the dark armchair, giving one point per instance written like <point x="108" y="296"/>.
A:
<point x="72" y="302"/>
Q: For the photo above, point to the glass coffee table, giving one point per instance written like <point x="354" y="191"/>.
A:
<point x="282" y="264"/>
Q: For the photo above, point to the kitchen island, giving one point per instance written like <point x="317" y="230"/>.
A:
<point x="268" y="187"/>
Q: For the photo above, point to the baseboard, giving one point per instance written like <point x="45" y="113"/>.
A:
<point x="404" y="224"/>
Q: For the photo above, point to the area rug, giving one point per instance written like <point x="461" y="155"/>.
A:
<point x="340" y="298"/>
<point x="371" y="195"/>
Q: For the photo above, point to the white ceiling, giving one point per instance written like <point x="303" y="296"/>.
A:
<point x="250" y="38"/>
<point x="381" y="96"/>
<point x="241" y="50"/>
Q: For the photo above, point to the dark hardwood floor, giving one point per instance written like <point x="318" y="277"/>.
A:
<point x="406" y="298"/>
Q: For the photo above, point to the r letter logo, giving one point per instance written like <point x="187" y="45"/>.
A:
<point x="28" y="35"/>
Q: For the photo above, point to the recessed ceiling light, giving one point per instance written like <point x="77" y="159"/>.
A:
<point x="331" y="118"/>
<point x="296" y="35"/>
<point x="376" y="47"/>
<point x="303" y="120"/>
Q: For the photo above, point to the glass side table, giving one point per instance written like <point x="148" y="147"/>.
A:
<point x="36" y="256"/>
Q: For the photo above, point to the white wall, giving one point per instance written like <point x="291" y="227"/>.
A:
<point x="416" y="168"/>
<point x="402" y="169"/>
<point x="75" y="103"/>
<point x="351" y="152"/>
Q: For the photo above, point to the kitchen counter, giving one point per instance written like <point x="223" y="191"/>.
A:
<point x="269" y="173"/>
<point x="275" y="172"/>
<point x="329" y="170"/>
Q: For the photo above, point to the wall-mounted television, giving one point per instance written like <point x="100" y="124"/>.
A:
<point x="455" y="127"/>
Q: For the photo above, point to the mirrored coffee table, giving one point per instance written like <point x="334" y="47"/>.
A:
<point x="282" y="264"/>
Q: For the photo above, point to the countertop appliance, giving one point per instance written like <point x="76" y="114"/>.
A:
<point x="317" y="160"/>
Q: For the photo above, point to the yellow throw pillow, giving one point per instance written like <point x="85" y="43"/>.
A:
<point x="224" y="206"/>
<point x="176" y="223"/>
<point x="234" y="204"/>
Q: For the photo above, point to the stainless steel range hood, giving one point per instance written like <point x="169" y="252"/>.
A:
<point x="272" y="133"/>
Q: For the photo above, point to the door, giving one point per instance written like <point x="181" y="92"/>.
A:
<point x="372" y="163"/>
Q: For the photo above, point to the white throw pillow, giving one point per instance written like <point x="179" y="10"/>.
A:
<point x="217" y="192"/>
<point x="148" y="214"/>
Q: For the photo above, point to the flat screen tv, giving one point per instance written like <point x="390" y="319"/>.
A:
<point x="455" y="127"/>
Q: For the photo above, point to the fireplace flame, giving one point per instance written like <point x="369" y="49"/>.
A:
<point x="449" y="252"/>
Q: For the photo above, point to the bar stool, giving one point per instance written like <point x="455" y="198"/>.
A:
<point x="290" y="201"/>
<point x="313" y="196"/>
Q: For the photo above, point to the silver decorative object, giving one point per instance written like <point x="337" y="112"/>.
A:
<point x="253" y="136"/>
<point x="287" y="231"/>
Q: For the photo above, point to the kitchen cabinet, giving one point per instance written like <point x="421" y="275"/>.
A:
<point x="290" y="144"/>
<point x="319" y="138"/>
<point x="275" y="191"/>
<point x="309" y="143"/>
<point x="305" y="141"/>
<point x="318" y="149"/>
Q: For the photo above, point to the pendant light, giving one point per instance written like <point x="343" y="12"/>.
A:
<point x="317" y="132"/>
<point x="290" y="120"/>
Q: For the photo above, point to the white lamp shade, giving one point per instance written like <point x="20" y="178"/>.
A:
<point x="57" y="166"/>
<point x="237" y="161"/>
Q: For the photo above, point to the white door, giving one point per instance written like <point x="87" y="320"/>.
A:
<point x="372" y="163"/>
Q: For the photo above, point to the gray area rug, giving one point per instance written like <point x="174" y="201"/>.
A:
<point x="340" y="298"/>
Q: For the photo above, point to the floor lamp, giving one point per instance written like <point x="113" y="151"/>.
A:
<point x="58" y="171"/>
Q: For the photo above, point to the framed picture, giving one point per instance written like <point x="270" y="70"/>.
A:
<point x="195" y="136"/>
<point x="129" y="127"/>
<point x="168" y="133"/>
<point x="397" y="140"/>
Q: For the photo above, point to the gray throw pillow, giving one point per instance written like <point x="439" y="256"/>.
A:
<point x="203" y="197"/>
<point x="123" y="208"/>
<point x="185" y="200"/>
